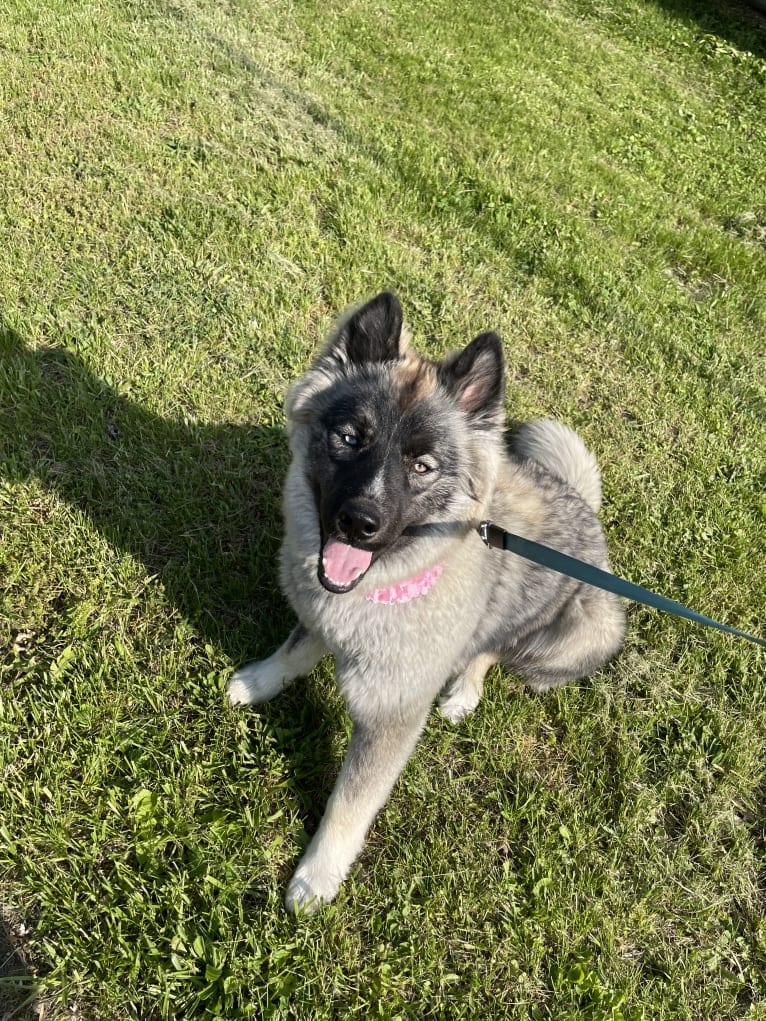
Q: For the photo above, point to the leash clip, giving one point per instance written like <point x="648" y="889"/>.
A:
<point x="491" y="535"/>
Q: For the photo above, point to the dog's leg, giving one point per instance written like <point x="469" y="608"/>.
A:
<point x="462" y="694"/>
<point x="262" y="680"/>
<point x="376" y="756"/>
<point x="587" y="634"/>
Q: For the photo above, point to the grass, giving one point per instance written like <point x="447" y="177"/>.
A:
<point x="190" y="192"/>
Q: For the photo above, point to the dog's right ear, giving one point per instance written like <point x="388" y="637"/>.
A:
<point x="371" y="333"/>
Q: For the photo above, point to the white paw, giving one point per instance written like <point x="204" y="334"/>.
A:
<point x="458" y="703"/>
<point x="257" y="682"/>
<point x="309" y="889"/>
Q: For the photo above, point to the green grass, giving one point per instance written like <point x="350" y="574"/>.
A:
<point x="190" y="191"/>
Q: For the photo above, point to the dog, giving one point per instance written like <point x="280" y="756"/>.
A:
<point x="395" y="461"/>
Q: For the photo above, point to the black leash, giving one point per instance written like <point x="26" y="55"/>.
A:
<point x="497" y="538"/>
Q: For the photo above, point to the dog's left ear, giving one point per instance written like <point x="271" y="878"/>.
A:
<point x="476" y="379"/>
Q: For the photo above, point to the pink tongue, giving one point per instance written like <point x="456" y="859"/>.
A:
<point x="342" y="563"/>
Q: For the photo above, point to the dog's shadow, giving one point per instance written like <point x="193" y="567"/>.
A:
<point x="197" y="504"/>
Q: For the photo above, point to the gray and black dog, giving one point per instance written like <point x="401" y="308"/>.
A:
<point x="395" y="461"/>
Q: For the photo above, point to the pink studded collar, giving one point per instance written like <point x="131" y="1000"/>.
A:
<point x="404" y="591"/>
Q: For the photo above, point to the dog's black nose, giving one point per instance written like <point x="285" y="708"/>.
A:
<point x="358" y="522"/>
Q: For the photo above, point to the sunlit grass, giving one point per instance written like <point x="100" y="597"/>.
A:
<point x="190" y="192"/>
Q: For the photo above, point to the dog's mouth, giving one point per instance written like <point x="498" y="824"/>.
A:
<point x="342" y="566"/>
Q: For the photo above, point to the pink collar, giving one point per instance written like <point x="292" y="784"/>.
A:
<point x="407" y="590"/>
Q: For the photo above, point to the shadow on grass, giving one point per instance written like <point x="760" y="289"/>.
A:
<point x="197" y="504"/>
<point x="17" y="983"/>
<point x="737" y="21"/>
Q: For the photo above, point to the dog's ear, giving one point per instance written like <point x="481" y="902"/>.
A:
<point x="372" y="333"/>
<point x="475" y="377"/>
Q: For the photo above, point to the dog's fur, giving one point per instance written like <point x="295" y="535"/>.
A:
<point x="395" y="460"/>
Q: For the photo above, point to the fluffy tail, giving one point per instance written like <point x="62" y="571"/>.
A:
<point x="559" y="449"/>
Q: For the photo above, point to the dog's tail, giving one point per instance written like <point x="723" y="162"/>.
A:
<point x="559" y="449"/>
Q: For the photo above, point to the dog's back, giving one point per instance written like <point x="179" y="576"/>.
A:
<point x="542" y="625"/>
<point x="559" y="449"/>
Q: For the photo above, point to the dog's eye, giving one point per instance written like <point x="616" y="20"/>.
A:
<point x="421" y="468"/>
<point x="349" y="440"/>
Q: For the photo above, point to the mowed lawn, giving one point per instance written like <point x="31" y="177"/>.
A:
<point x="189" y="192"/>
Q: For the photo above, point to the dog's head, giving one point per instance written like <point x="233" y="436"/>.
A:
<point x="392" y="442"/>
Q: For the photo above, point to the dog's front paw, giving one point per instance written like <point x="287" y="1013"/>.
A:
<point x="257" y="682"/>
<point x="463" y="693"/>
<point x="309" y="889"/>
<point x="458" y="703"/>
